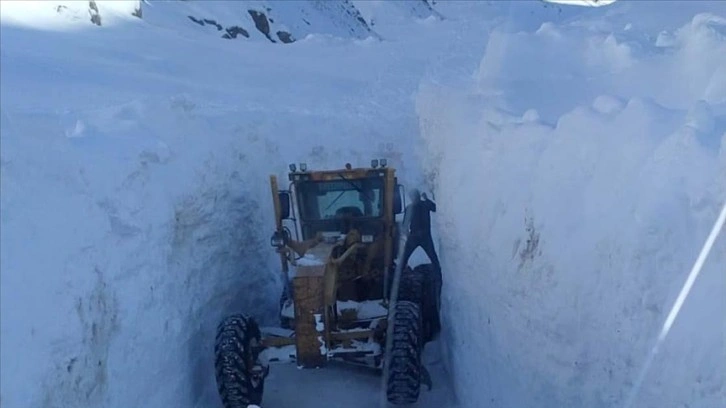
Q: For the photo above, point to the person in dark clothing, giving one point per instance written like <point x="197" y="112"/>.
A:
<point x="419" y="235"/>
<point x="418" y="213"/>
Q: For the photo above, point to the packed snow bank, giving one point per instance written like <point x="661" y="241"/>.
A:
<point x="123" y="243"/>
<point x="135" y="204"/>
<point x="576" y="184"/>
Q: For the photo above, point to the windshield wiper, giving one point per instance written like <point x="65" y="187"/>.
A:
<point x="355" y="187"/>
<point x="358" y="189"/>
<point x="336" y="199"/>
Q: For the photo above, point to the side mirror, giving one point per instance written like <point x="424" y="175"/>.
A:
<point x="399" y="195"/>
<point x="284" y="197"/>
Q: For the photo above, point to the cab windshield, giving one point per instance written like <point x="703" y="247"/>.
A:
<point x="324" y="200"/>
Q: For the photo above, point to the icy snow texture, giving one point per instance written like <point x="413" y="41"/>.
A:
<point x="565" y="240"/>
<point x="135" y="209"/>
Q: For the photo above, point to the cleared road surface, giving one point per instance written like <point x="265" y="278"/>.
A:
<point x="345" y="386"/>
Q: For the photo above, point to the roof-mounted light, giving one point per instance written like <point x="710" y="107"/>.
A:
<point x="292" y="167"/>
<point x="374" y="163"/>
<point x="384" y="162"/>
<point x="303" y="167"/>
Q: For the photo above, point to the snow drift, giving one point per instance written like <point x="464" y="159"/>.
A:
<point x="576" y="182"/>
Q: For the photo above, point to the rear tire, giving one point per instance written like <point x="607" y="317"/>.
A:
<point x="240" y="381"/>
<point x="404" y="375"/>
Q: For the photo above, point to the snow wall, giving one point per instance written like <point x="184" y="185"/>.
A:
<point x="576" y="183"/>
<point x="130" y="230"/>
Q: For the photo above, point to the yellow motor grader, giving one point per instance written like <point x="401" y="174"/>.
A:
<point x="345" y="297"/>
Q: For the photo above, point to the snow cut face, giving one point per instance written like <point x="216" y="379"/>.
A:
<point x="568" y="235"/>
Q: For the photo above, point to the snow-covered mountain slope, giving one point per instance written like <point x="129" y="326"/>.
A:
<point x="69" y="15"/>
<point x="135" y="210"/>
<point x="274" y="21"/>
<point x="577" y="181"/>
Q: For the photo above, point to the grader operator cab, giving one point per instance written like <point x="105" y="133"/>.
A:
<point x="337" y="303"/>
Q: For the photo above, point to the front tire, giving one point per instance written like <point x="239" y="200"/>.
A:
<point x="240" y="380"/>
<point x="404" y="375"/>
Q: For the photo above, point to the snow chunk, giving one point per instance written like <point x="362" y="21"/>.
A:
<point x="700" y="118"/>
<point x="369" y="309"/>
<point x="531" y="115"/>
<point x="607" y="104"/>
<point x="665" y="40"/>
<point x="309" y="260"/>
<point x="549" y="29"/>
<point x="323" y="347"/>
<point x="278" y="354"/>
<point x="288" y="310"/>
<point x="77" y="131"/>
<point x="319" y="324"/>
<point x="608" y="52"/>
